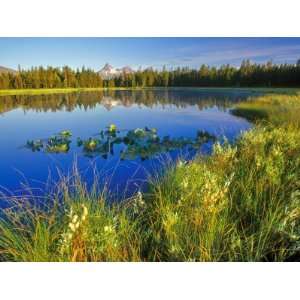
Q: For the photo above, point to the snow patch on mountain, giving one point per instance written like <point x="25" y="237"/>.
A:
<point x="108" y="71"/>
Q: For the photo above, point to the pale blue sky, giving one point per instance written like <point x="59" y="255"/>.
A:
<point x="145" y="52"/>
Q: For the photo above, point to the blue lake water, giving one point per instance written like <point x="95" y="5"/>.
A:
<point x="177" y="113"/>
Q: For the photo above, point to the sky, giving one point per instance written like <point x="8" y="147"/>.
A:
<point x="144" y="52"/>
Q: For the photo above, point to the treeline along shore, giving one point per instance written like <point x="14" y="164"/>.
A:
<point x="246" y="75"/>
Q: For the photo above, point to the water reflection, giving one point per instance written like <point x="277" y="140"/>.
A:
<point x="180" y="98"/>
<point x="46" y="121"/>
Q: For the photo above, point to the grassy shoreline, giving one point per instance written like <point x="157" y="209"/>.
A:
<point x="15" y="92"/>
<point x="242" y="203"/>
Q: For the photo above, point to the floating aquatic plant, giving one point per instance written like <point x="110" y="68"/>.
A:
<point x="204" y="136"/>
<point x="59" y="143"/>
<point x="90" y="145"/>
<point x="58" y="148"/>
<point x="66" y="133"/>
<point x="35" y="145"/>
<point x="139" y="142"/>
<point x="112" y="128"/>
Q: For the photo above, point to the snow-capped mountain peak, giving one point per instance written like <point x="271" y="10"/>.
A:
<point x="108" y="71"/>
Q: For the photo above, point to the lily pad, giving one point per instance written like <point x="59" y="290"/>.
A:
<point x="140" y="142"/>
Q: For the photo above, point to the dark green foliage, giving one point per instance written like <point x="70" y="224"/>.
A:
<point x="50" y="77"/>
<point x="248" y="74"/>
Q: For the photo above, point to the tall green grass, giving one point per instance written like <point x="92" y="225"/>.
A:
<point x="242" y="203"/>
<point x="47" y="91"/>
<point x="13" y="92"/>
<point x="76" y="225"/>
<point x="277" y="109"/>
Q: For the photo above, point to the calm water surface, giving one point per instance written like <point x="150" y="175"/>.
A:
<point x="175" y="113"/>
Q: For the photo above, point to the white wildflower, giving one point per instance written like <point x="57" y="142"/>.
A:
<point x="181" y="163"/>
<point x="185" y="183"/>
<point x="84" y="213"/>
<point x="85" y="210"/>
<point x="72" y="227"/>
<point x="108" y="229"/>
<point x="140" y="198"/>
<point x="74" y="219"/>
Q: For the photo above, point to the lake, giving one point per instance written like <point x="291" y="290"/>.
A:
<point x="150" y="128"/>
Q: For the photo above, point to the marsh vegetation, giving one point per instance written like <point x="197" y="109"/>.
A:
<point x="241" y="203"/>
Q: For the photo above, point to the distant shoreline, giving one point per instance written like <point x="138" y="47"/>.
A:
<point x="14" y="92"/>
<point x="46" y="91"/>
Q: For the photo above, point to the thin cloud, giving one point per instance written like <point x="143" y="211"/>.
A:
<point x="222" y="56"/>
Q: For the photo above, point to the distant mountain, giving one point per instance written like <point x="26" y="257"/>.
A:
<point x="108" y="71"/>
<point x="6" y="70"/>
<point x="127" y="70"/>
